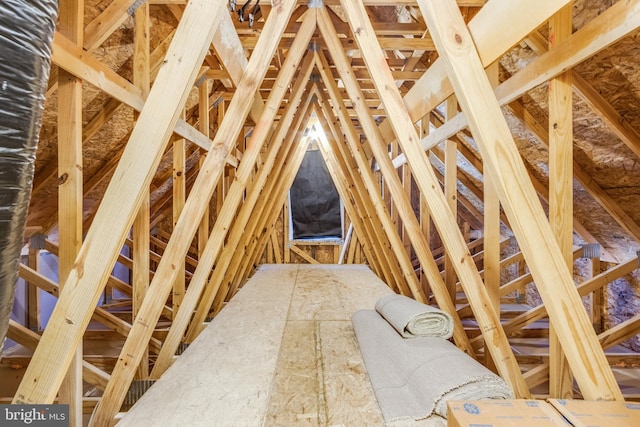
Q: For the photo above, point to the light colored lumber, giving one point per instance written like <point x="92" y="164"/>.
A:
<point x="441" y="214"/>
<point x="560" y="190"/>
<point x="199" y="197"/>
<point x="77" y="62"/>
<point x="274" y="197"/>
<point x="450" y="191"/>
<point x="219" y="288"/>
<point x="141" y="228"/>
<point x="70" y="179"/>
<point x="102" y="26"/>
<point x="497" y="27"/>
<point x="33" y="293"/>
<point x="179" y="191"/>
<point x="227" y="214"/>
<point x="120" y="203"/>
<point x="519" y="199"/>
<point x="30" y="340"/>
<point x="402" y="201"/>
<point x="399" y="274"/>
<point x="302" y="254"/>
<point x="364" y="215"/>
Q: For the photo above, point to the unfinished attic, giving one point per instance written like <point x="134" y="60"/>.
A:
<point x="205" y="203"/>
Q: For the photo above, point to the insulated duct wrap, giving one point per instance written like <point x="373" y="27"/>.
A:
<point x="26" y="35"/>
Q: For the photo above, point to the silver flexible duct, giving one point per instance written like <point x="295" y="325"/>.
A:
<point x="26" y="34"/>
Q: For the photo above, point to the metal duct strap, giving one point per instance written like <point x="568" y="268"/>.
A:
<point x="26" y="34"/>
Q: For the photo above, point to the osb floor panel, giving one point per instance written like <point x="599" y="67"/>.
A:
<point x="282" y="352"/>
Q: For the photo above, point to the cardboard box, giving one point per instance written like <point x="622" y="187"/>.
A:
<point x="503" y="413"/>
<point x="584" y="413"/>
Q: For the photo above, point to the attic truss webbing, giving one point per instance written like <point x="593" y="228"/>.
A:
<point x="440" y="213"/>
<point x="408" y="283"/>
<point x="516" y="193"/>
<point x="246" y="219"/>
<point x="187" y="224"/>
<point x="418" y="239"/>
<point x="252" y="218"/>
<point x="268" y="205"/>
<point x="235" y="194"/>
<point x="366" y="192"/>
<point x="116" y="213"/>
<point x="495" y="29"/>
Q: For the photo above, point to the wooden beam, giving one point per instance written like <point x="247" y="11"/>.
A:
<point x="82" y="65"/>
<point x="120" y="203"/>
<point x="102" y="26"/>
<point x="100" y="315"/>
<point x="560" y="189"/>
<point x="229" y="209"/>
<point x="495" y="29"/>
<point x="398" y="194"/>
<point x="196" y="203"/>
<point x="70" y="178"/>
<point x="407" y="283"/>
<point x="451" y="191"/>
<point x="179" y="191"/>
<point x="141" y="228"/>
<point x="203" y="112"/>
<point x="526" y="216"/>
<point x="254" y="217"/>
<point x="445" y="223"/>
<point x="351" y="157"/>
<point x="302" y="254"/>
<point x="29" y="339"/>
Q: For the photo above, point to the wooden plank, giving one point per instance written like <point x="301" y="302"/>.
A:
<point x="560" y="190"/>
<point x="229" y="209"/>
<point x="199" y="197"/>
<point x="377" y="225"/>
<point x="520" y="201"/>
<point x="583" y="178"/>
<point x="610" y="26"/>
<point x="84" y="66"/>
<point x="276" y="247"/>
<point x="33" y="293"/>
<point x="141" y="227"/>
<point x="102" y="26"/>
<point x="451" y="190"/>
<point x="70" y="178"/>
<point x="491" y="227"/>
<point x="399" y="196"/>
<point x="204" y="123"/>
<point x="407" y="283"/>
<point x="30" y="340"/>
<point x="221" y="286"/>
<point x="272" y="199"/>
<point x="179" y="191"/>
<point x="517" y="18"/>
<point x="302" y="254"/>
<point x="100" y="314"/>
<point x="441" y="214"/>
<point x="120" y="203"/>
<point x="343" y="175"/>
<point x="364" y="215"/>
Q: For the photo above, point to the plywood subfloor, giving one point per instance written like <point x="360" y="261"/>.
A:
<point x="282" y="352"/>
